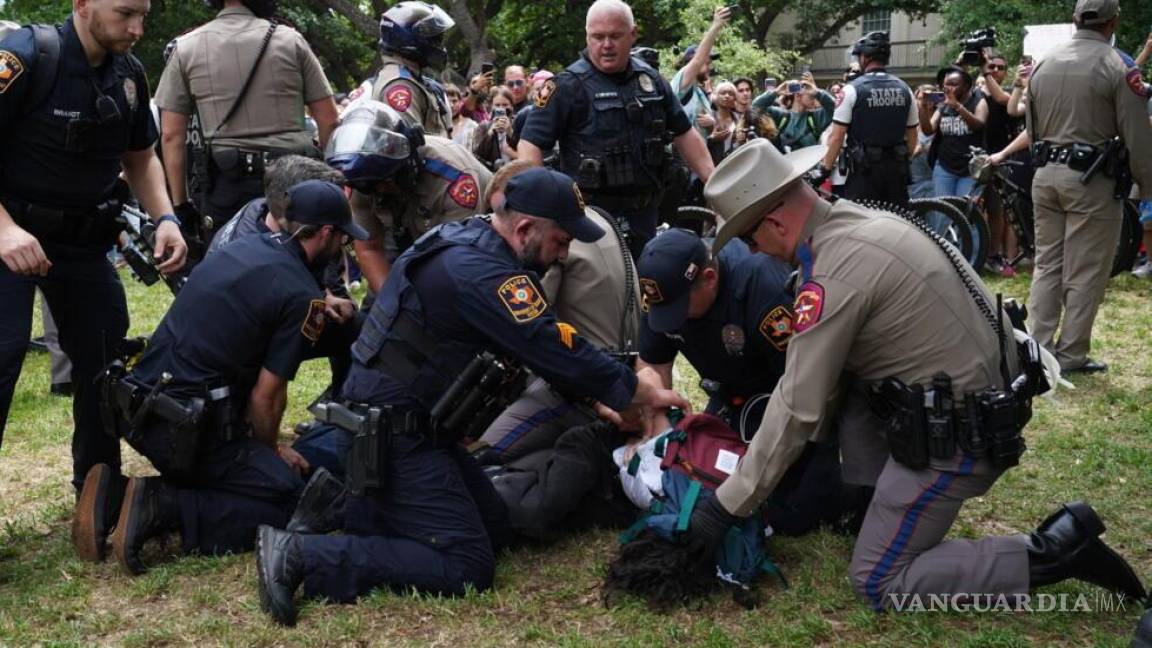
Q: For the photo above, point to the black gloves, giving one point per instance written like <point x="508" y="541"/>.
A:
<point x="710" y="523"/>
<point x="817" y="175"/>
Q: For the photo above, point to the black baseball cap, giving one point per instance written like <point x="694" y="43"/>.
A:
<point x="545" y="193"/>
<point x="319" y="202"/>
<point x="668" y="266"/>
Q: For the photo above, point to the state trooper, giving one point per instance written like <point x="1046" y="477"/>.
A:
<point x="1088" y="120"/>
<point x="411" y="43"/>
<point x="205" y="402"/>
<point x="421" y="514"/>
<point x="74" y="107"/>
<point x="404" y="182"/>
<point x="875" y="127"/>
<point x="730" y="315"/>
<point x="614" y="117"/>
<point x="246" y="80"/>
<point x="950" y="391"/>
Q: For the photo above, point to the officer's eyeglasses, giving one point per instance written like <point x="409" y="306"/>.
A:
<point x="749" y="237"/>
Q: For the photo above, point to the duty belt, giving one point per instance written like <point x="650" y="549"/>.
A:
<point x="94" y="225"/>
<point x="245" y="162"/>
<point x="372" y="429"/>
<point x="1078" y="157"/>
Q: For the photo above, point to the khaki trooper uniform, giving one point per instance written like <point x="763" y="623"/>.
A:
<point x="449" y="187"/>
<point x="879" y="299"/>
<point x="1082" y="93"/>
<point x="588" y="292"/>
<point x="418" y="98"/>
<point x="204" y="77"/>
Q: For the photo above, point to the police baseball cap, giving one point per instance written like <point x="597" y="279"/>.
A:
<point x="545" y="193"/>
<point x="1096" y="12"/>
<point x="667" y="267"/>
<point x="319" y="202"/>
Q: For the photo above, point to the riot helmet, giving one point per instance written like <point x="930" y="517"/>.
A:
<point x="874" y="45"/>
<point x="415" y="30"/>
<point x="373" y="143"/>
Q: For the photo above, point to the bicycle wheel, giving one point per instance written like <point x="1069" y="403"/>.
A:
<point x="958" y="231"/>
<point x="976" y="223"/>
<point x="698" y="219"/>
<point x="1131" y="233"/>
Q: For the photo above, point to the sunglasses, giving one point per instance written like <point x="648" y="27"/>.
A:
<point x="749" y="237"/>
<point x="515" y="83"/>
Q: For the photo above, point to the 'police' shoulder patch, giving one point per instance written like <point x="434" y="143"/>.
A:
<point x="776" y="327"/>
<point x="567" y="334"/>
<point x="11" y="67"/>
<point x="399" y="97"/>
<point x="1135" y="83"/>
<point x="313" y="325"/>
<point x="464" y="191"/>
<point x="809" y="305"/>
<point x="522" y="299"/>
<point x="544" y="95"/>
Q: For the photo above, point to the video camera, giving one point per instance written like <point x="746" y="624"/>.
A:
<point x="974" y="44"/>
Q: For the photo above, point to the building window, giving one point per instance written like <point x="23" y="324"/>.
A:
<point x="876" y="20"/>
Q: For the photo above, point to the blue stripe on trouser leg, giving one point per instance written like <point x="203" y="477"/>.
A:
<point x="907" y="527"/>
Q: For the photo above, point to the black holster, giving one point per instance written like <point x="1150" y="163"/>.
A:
<point x="371" y="432"/>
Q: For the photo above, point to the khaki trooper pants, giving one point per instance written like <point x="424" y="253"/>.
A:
<point x="1077" y="228"/>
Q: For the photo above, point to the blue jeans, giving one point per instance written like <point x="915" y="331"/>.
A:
<point x="946" y="183"/>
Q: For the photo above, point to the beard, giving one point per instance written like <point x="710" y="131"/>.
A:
<point x="102" y="35"/>
<point x="531" y="257"/>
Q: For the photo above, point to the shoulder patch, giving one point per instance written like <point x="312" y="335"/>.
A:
<point x="567" y="334"/>
<point x="1133" y="78"/>
<point x="314" y="321"/>
<point x="545" y="93"/>
<point x="651" y="291"/>
<point x="11" y="67"/>
<point x="809" y="306"/>
<point x="464" y="191"/>
<point x="776" y="327"/>
<point x="522" y="299"/>
<point x="399" y="97"/>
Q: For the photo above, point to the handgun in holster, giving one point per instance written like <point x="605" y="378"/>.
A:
<point x="371" y="441"/>
<point x="907" y="422"/>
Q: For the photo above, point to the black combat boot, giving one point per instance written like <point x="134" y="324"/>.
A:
<point x="280" y="568"/>
<point x="1143" y="636"/>
<point x="321" y="505"/>
<point x="1066" y="545"/>
<point x="149" y="511"/>
<point x="96" y="511"/>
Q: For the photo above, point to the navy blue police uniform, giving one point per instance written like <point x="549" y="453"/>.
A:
<point x="614" y="131"/>
<point x="459" y="291"/>
<point x="65" y="131"/>
<point x="255" y="304"/>
<point x="738" y="347"/>
<point x="877" y="150"/>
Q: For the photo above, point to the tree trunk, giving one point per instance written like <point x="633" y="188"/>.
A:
<point x="473" y="27"/>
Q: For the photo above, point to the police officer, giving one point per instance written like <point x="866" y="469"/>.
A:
<point x="879" y="119"/>
<point x="613" y="116"/>
<point x="904" y="315"/>
<point x="411" y="43"/>
<point x="427" y="521"/>
<point x="403" y="182"/>
<point x="731" y="317"/>
<point x="75" y="117"/>
<point x="1078" y="206"/>
<point x="204" y="403"/>
<point x="248" y="81"/>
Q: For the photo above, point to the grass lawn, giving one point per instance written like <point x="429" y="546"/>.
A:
<point x="1093" y="443"/>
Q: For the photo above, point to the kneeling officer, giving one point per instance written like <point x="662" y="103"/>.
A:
<point x="422" y="515"/>
<point x="204" y="403"/>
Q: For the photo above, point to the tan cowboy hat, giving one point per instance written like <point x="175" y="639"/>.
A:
<point x="751" y="177"/>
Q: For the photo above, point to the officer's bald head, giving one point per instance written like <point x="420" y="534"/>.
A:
<point x="610" y="9"/>
<point x="610" y="33"/>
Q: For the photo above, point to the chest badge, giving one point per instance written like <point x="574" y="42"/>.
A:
<point x="523" y="301"/>
<point x="776" y="327"/>
<point x="399" y="97"/>
<point x="733" y="338"/>
<point x="809" y="306"/>
<point x="646" y="84"/>
<point x="130" y="93"/>
<point x="464" y="191"/>
<point x="11" y="67"/>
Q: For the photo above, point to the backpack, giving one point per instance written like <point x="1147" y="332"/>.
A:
<point x="697" y="456"/>
<point x="44" y="69"/>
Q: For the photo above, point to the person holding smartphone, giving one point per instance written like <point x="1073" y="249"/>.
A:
<point x="808" y="112"/>
<point x="495" y="140"/>
<point x="958" y="123"/>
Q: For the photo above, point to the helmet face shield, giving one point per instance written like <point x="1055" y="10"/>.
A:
<point x="434" y="24"/>
<point x="361" y="138"/>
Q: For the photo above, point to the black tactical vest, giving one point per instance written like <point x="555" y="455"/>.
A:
<point x="880" y="114"/>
